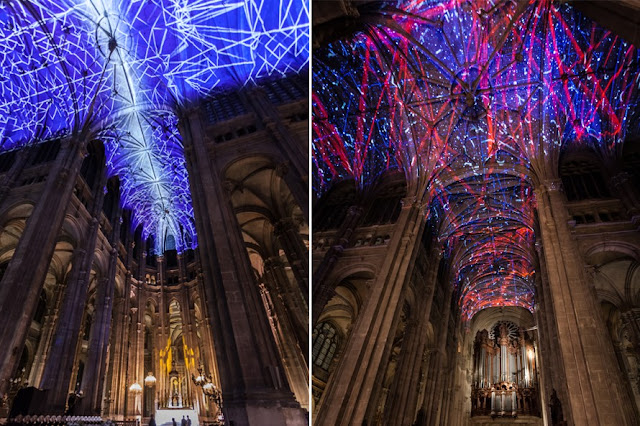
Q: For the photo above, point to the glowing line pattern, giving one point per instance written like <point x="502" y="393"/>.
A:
<point x="127" y="69"/>
<point x="473" y="100"/>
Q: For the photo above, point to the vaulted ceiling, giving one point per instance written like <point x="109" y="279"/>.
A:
<point x="474" y="101"/>
<point x="123" y="70"/>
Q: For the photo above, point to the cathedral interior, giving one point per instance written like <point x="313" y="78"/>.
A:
<point x="154" y="212"/>
<point x="476" y="213"/>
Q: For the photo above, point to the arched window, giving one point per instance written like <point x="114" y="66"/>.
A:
<point x="325" y="344"/>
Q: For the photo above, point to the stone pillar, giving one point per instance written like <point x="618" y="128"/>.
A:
<point x="404" y="390"/>
<point x="161" y="268"/>
<point x="189" y="337"/>
<point x="136" y="357"/>
<point x="345" y="399"/>
<point x="46" y="337"/>
<point x="586" y="354"/>
<point x="25" y="274"/>
<point x="95" y="369"/>
<point x="293" y="307"/>
<point x="254" y="387"/>
<point x="291" y="351"/>
<point x="297" y="254"/>
<point x="547" y="337"/>
<point x="206" y="334"/>
<point x="322" y="290"/>
<point x="57" y="371"/>
<point x="182" y="268"/>
<point x="120" y="343"/>
<point x="115" y="365"/>
<point x="11" y="176"/>
<point x="432" y="405"/>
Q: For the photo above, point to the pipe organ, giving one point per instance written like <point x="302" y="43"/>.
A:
<point x="504" y="372"/>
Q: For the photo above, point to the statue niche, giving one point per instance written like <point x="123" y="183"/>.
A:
<point x="504" y="373"/>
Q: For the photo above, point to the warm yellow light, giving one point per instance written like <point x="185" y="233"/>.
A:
<point x="150" y="380"/>
<point x="530" y="353"/>
<point x="208" y="388"/>
<point x="199" y="381"/>
<point x="135" y="388"/>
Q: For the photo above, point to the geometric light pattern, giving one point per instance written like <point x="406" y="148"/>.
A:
<point x="473" y="100"/>
<point x="126" y="69"/>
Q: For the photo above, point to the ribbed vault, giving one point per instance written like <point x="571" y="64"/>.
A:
<point x="473" y="101"/>
<point x="123" y="71"/>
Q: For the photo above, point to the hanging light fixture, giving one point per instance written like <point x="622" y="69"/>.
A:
<point x="208" y="388"/>
<point x="200" y="379"/>
<point x="150" y="380"/>
<point x="135" y="388"/>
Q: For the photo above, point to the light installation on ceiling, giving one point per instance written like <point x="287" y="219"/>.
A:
<point x="126" y="69"/>
<point x="474" y="100"/>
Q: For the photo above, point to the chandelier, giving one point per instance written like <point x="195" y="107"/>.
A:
<point x="208" y="388"/>
<point x="135" y="388"/>
<point x="150" y="380"/>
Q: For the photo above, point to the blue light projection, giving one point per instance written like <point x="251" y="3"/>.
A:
<point x="474" y="100"/>
<point x="125" y="70"/>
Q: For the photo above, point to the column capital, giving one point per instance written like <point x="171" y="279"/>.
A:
<point x="551" y="185"/>
<point x="411" y="201"/>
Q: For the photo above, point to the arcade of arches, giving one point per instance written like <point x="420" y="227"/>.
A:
<point x="107" y="328"/>
<point x="497" y="286"/>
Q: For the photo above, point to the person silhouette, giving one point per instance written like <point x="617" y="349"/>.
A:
<point x="173" y="421"/>
<point x="188" y="421"/>
<point x="183" y="422"/>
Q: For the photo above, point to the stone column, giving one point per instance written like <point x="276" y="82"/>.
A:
<point x="293" y="307"/>
<point x="402" y="405"/>
<point x="136" y="357"/>
<point x="206" y="334"/>
<point x="46" y="337"/>
<point x="115" y="366"/>
<point x="322" y="290"/>
<point x="120" y="343"/>
<point x="345" y="399"/>
<point x="189" y="337"/>
<point x="95" y="369"/>
<point x="547" y="337"/>
<point x="25" y="274"/>
<point x="432" y="405"/>
<point x="297" y="253"/>
<point x="11" y="176"/>
<point x="97" y="352"/>
<point x="409" y="400"/>
<point x="254" y="387"/>
<point x="182" y="268"/>
<point x="587" y="357"/>
<point x="161" y="268"/>
<point x="57" y="371"/>
<point x="291" y="352"/>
